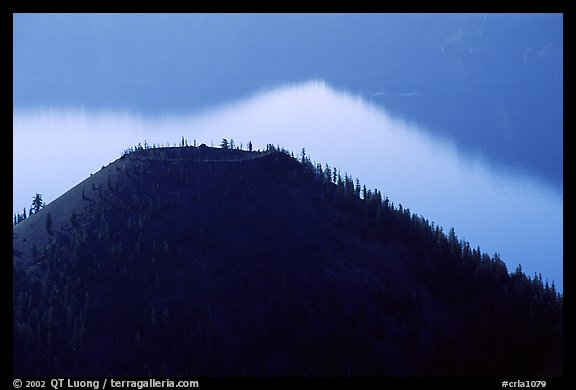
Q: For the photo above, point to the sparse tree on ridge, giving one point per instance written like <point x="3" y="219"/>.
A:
<point x="249" y="146"/>
<point x="224" y="144"/>
<point x="19" y="217"/>
<point x="37" y="203"/>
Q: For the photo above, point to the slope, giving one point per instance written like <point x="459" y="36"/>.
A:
<point x="203" y="261"/>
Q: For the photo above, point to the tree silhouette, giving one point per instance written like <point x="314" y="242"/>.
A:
<point x="224" y="144"/>
<point x="357" y="189"/>
<point x="37" y="202"/>
<point x="19" y="217"/>
<point x="328" y="173"/>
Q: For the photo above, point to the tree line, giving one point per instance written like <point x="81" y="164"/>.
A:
<point x="37" y="205"/>
<point x="108" y="250"/>
<point x="350" y="195"/>
<point x="224" y="144"/>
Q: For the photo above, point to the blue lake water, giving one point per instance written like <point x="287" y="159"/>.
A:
<point x="499" y="207"/>
<point x="491" y="82"/>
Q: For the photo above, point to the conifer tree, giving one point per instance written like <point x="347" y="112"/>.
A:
<point x="37" y="203"/>
<point x="357" y="189"/>
<point x="328" y="173"/>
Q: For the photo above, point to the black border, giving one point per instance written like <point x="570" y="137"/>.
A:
<point x="357" y="6"/>
<point x="547" y="6"/>
<point x="569" y="268"/>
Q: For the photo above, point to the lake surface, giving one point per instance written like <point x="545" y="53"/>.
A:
<point x="491" y="82"/>
<point x="500" y="207"/>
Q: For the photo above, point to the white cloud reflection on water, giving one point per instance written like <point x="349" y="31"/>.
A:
<point x="498" y="208"/>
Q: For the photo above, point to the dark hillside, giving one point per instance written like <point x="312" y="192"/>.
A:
<point x="203" y="261"/>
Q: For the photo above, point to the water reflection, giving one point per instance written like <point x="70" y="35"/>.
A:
<point x="500" y="210"/>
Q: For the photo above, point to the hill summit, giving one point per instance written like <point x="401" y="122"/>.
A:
<point x="199" y="261"/>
